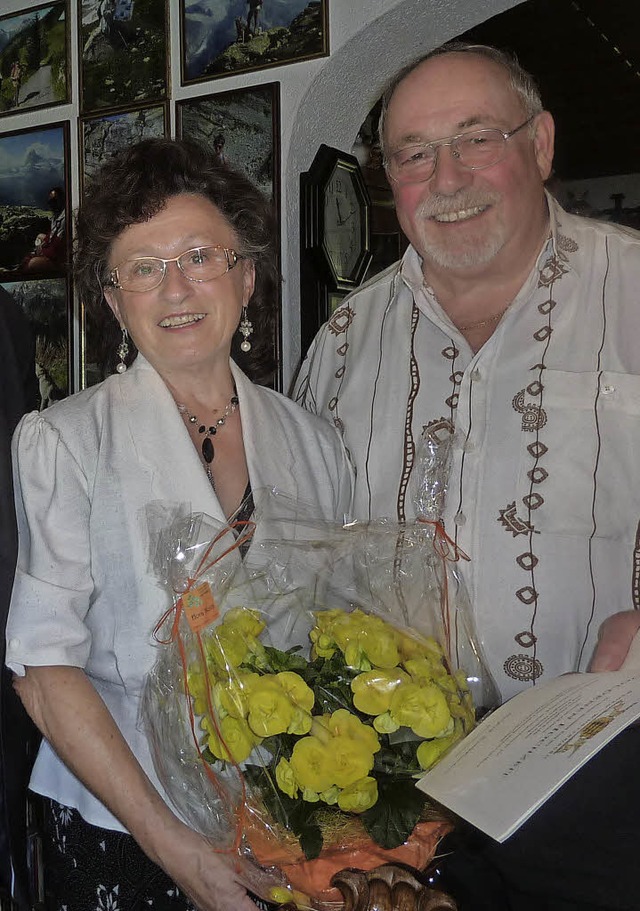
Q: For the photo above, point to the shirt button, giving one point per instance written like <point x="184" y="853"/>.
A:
<point x="469" y="446"/>
<point x="607" y="389"/>
<point x="476" y="376"/>
<point x="460" y="518"/>
<point x="13" y="643"/>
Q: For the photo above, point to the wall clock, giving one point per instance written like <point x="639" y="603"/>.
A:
<point x="335" y="249"/>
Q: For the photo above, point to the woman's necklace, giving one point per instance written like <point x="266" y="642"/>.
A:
<point x="208" y="451"/>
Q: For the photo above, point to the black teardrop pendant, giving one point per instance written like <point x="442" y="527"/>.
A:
<point x="207" y="450"/>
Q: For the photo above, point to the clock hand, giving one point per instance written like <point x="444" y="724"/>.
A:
<point x="340" y="218"/>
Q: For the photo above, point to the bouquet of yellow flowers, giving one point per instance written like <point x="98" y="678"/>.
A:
<point x="294" y="706"/>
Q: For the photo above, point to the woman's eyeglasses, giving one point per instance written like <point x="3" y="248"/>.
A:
<point x="201" y="264"/>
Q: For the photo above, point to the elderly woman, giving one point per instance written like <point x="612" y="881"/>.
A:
<point x="182" y="250"/>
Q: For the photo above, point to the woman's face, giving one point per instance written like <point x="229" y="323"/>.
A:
<point x="181" y="324"/>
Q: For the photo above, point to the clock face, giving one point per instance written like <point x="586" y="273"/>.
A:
<point x="342" y="222"/>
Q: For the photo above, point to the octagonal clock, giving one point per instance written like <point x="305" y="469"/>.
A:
<point x="335" y="234"/>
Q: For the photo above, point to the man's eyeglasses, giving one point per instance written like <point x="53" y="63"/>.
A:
<point x="202" y="264"/>
<point x="474" y="150"/>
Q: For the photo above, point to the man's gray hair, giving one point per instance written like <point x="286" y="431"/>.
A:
<point x="522" y="83"/>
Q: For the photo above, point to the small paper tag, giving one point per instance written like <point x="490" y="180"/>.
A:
<point x="199" y="607"/>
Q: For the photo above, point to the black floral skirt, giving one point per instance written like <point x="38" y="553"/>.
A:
<point x="86" y="868"/>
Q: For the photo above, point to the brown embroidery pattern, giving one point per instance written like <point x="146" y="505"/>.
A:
<point x="527" y="668"/>
<point x="534" y="417"/>
<point x="509" y="518"/>
<point x="523" y="668"/>
<point x="340" y="320"/>
<point x="409" y="442"/>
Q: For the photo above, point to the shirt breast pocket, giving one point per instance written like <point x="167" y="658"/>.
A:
<point x="579" y="468"/>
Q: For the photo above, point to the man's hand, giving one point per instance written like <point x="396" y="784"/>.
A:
<point x="614" y="641"/>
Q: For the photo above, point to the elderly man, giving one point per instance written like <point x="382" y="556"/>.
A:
<point x="514" y="327"/>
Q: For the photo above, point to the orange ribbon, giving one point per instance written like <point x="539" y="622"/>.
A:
<point x="449" y="552"/>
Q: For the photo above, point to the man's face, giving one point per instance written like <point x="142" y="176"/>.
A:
<point x="461" y="220"/>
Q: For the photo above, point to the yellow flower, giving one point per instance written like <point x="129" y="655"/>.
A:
<point x="230" y="696"/>
<point x="197" y="683"/>
<point x="351" y="761"/>
<point x="424" y="670"/>
<point x="226" y="648"/>
<point x="236" y="742"/>
<point x="330" y="796"/>
<point x="424" y="709"/>
<point x="429" y="752"/>
<point x="379" y="643"/>
<point x="343" y="724"/>
<point x="373" y="690"/>
<point x="296" y="689"/>
<point x="413" y="645"/>
<point x="312" y="764"/>
<point x="286" y="779"/>
<point x="283" y="895"/>
<point x="321" y="728"/>
<point x="355" y="657"/>
<point x="300" y="723"/>
<point x="270" y="712"/>
<point x="323" y="646"/>
<point x="360" y="796"/>
<point x="384" y="724"/>
<point x="247" y="622"/>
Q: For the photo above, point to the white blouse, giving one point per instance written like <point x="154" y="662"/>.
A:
<point x="90" y="474"/>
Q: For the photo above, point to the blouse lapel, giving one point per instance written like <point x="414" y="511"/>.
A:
<point x="269" y="458"/>
<point x="162" y="444"/>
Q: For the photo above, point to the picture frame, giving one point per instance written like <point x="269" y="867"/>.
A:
<point x="46" y="302"/>
<point x="123" y="48"/>
<point x="223" y="37"/>
<point x="103" y="135"/>
<point x="34" y="60"/>
<point x="35" y="202"/>
<point x="247" y="120"/>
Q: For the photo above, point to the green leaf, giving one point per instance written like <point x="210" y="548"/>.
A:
<point x="395" y="815"/>
<point x="311" y="841"/>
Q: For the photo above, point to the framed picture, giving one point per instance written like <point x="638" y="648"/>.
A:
<point x="123" y="52"/>
<point x="34" y="202"/>
<point x="46" y="304"/>
<point x="34" y="66"/>
<point x="221" y="37"/>
<point x="104" y="135"/>
<point x="242" y="127"/>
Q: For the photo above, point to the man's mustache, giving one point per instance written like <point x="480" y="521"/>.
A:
<point x="438" y="204"/>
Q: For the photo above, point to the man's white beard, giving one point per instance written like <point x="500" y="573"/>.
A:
<point x="478" y="247"/>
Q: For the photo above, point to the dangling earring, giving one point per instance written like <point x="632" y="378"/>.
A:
<point x="123" y="351"/>
<point x="245" y="329"/>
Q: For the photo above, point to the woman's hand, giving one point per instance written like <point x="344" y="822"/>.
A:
<point x="208" y="878"/>
<point x="64" y="704"/>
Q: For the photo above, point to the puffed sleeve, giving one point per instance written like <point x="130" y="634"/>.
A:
<point x="53" y="584"/>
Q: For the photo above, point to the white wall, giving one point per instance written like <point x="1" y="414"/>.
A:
<point x="322" y="100"/>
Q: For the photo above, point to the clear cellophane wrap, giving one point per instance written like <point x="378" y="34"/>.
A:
<point x="308" y="673"/>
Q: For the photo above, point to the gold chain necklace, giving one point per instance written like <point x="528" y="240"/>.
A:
<point x="484" y="322"/>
